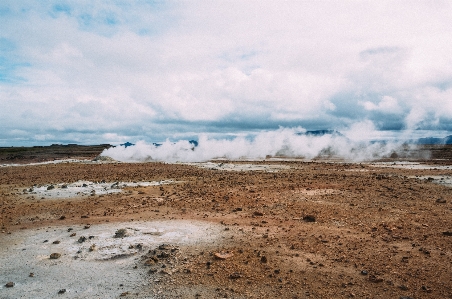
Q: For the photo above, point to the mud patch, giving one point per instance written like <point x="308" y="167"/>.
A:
<point x="84" y="188"/>
<point x="92" y="262"/>
<point x="240" y="167"/>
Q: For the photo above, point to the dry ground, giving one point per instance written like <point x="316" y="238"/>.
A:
<point x="316" y="230"/>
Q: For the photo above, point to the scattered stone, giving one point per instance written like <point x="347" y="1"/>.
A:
<point x="9" y="284"/>
<point x="92" y="247"/>
<point x="223" y="255"/>
<point x="447" y="233"/>
<point x="51" y="187"/>
<point x="124" y="294"/>
<point x="87" y="226"/>
<point x="121" y="233"/>
<point x="375" y="279"/>
<point x="62" y="217"/>
<point x="257" y="213"/>
<point x="56" y="242"/>
<point x="55" y="256"/>
<point x="440" y="200"/>
<point x="309" y="218"/>
<point x="84" y="216"/>
<point x="62" y="291"/>
<point x="82" y="239"/>
<point x="263" y="259"/>
<point x="31" y="274"/>
<point x="73" y="235"/>
<point x="235" y="275"/>
<point x="403" y="287"/>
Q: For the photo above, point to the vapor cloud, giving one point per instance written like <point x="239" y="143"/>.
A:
<point x="283" y="142"/>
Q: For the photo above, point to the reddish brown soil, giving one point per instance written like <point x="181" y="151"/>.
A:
<point x="377" y="233"/>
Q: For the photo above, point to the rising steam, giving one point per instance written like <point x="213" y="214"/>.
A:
<point x="279" y="143"/>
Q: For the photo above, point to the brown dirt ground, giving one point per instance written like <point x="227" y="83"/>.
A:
<point x="377" y="233"/>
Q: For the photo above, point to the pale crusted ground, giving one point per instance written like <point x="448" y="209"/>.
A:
<point x="305" y="230"/>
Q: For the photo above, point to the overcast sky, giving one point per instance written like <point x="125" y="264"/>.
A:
<point x="94" y="72"/>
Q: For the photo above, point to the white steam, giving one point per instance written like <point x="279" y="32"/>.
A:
<point x="279" y="143"/>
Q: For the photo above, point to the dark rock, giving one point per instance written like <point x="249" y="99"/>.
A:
<point x="51" y="187"/>
<point x="121" y="233"/>
<point x="263" y="259"/>
<point x="364" y="272"/>
<point x="375" y="279"/>
<point x="55" y="256"/>
<point x="257" y="213"/>
<point x="440" y="200"/>
<point x="9" y="284"/>
<point x="62" y="217"/>
<point x="82" y="239"/>
<point x="62" y="291"/>
<point x="309" y="218"/>
<point x="447" y="233"/>
<point x="56" y="242"/>
<point x="235" y="275"/>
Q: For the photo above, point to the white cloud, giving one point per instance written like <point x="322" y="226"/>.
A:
<point x="137" y="66"/>
<point x="386" y="105"/>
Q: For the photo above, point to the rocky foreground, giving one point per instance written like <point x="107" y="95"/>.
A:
<point x="286" y="229"/>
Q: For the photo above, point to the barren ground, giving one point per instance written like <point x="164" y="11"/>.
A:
<point x="306" y="230"/>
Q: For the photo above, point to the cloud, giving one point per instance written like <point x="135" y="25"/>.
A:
<point x="155" y="69"/>
<point x="386" y="105"/>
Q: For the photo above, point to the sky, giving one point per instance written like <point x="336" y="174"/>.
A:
<point x="92" y="72"/>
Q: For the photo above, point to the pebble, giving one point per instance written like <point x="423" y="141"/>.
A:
<point x="62" y="291"/>
<point x="55" y="256"/>
<point x="309" y="218"/>
<point x="9" y="284"/>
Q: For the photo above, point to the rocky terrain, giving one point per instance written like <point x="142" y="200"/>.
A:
<point x="279" y="229"/>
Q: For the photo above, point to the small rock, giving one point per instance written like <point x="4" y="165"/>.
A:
<point x="55" y="256"/>
<point x="62" y="291"/>
<point x="92" y="247"/>
<point x="62" y="217"/>
<point x="364" y="272"/>
<point x="223" y="255"/>
<point x="257" y="213"/>
<point x="56" y="242"/>
<point x="309" y="218"/>
<point x="263" y="259"/>
<point x="235" y="275"/>
<point x="447" y="233"/>
<point x="73" y="235"/>
<point x="440" y="200"/>
<point x="9" y="284"/>
<point x="121" y="233"/>
<point x="375" y="279"/>
<point x="82" y="239"/>
<point x="51" y="187"/>
<point x="31" y="274"/>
